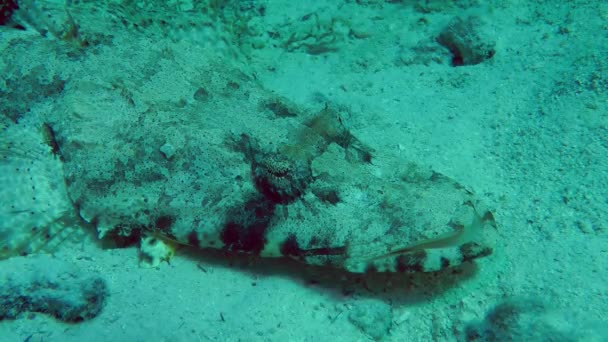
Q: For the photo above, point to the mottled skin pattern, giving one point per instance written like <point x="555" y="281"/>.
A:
<point x="277" y="221"/>
<point x="306" y="189"/>
<point x="250" y="172"/>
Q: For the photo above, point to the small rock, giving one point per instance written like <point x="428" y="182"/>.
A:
<point x="372" y="317"/>
<point x="41" y="283"/>
<point x="466" y="42"/>
<point x="167" y="150"/>
<point x="523" y="319"/>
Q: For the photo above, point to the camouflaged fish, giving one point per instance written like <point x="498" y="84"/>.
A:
<point x="332" y="206"/>
<point x="202" y="155"/>
<point x="306" y="190"/>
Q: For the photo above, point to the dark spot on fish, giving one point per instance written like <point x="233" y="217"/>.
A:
<point x="246" y="226"/>
<point x="193" y="239"/>
<point x="371" y="268"/>
<point x="445" y="263"/>
<point x="163" y="222"/>
<point x="290" y="247"/>
<point x="410" y="263"/>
